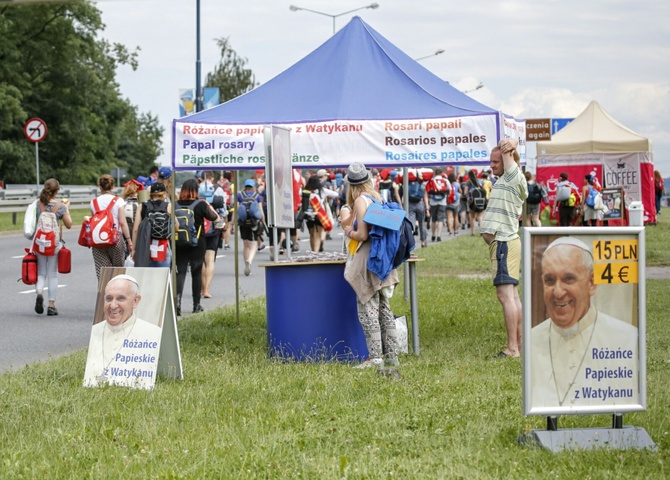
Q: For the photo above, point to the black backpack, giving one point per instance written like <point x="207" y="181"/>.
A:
<point x="158" y="218"/>
<point x="477" y="198"/>
<point x="187" y="233"/>
<point x="534" y="194"/>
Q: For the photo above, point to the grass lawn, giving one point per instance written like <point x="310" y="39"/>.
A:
<point x="455" y="413"/>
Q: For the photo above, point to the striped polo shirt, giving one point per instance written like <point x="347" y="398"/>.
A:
<point x="501" y="217"/>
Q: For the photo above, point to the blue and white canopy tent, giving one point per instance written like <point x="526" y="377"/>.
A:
<point x="356" y="97"/>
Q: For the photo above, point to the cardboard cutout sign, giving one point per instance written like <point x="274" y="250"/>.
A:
<point x="134" y="334"/>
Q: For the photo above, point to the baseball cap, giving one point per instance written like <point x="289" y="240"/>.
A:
<point x="249" y="183"/>
<point x="321" y="173"/>
<point x="157" y="187"/>
<point x="164" y="172"/>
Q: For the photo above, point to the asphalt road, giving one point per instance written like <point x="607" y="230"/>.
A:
<point x="26" y="337"/>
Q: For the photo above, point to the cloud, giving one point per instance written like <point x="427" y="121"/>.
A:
<point x="536" y="59"/>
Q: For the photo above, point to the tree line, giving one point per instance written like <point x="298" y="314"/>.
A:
<point x="54" y="65"/>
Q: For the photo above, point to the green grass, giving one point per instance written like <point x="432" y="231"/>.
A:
<point x="456" y="413"/>
<point x="14" y="222"/>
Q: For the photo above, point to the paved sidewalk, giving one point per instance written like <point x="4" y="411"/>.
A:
<point x="658" y="273"/>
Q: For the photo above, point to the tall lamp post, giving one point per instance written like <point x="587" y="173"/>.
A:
<point x="198" y="87"/>
<point x="373" y="6"/>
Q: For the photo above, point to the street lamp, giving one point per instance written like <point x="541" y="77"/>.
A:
<point x="198" y="86"/>
<point x="428" y="56"/>
<point x="481" y="85"/>
<point x="373" y="6"/>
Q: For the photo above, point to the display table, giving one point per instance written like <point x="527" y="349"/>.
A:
<point x="311" y="312"/>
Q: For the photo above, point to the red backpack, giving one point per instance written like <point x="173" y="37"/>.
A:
<point x="451" y="199"/>
<point x="99" y="231"/>
<point x="47" y="233"/>
<point x="438" y="185"/>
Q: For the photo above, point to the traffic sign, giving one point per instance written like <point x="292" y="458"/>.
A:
<point x="35" y="130"/>
<point x="538" y="129"/>
<point x="559" y="123"/>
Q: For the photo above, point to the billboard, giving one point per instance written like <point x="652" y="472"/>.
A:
<point x="584" y="320"/>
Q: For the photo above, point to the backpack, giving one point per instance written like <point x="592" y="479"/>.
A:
<point x="591" y="197"/>
<point x="99" y="230"/>
<point x="249" y="212"/>
<point x="47" y="233"/>
<point x="437" y="188"/>
<point x="534" y="194"/>
<point x="187" y="234"/>
<point x="206" y="191"/>
<point x="563" y="192"/>
<point x="30" y="220"/>
<point x="414" y="192"/>
<point x="477" y="198"/>
<point x="158" y="219"/>
<point x="385" y="189"/>
<point x="130" y="209"/>
<point x="454" y="196"/>
<point x="224" y="183"/>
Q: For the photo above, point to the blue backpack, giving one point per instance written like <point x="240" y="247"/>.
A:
<point x="415" y="192"/>
<point x="249" y="211"/>
<point x="591" y="197"/>
<point x="206" y="191"/>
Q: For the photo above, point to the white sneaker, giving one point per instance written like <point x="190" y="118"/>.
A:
<point x="247" y="268"/>
<point x="371" y="362"/>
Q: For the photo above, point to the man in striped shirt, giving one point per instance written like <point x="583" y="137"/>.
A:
<point x="500" y="227"/>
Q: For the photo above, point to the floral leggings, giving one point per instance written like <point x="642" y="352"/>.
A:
<point x="378" y="324"/>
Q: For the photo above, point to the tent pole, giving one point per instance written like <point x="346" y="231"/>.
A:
<point x="405" y="205"/>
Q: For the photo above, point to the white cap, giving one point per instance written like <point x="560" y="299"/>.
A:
<point x="568" y="241"/>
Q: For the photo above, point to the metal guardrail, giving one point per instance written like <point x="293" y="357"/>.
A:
<point x="15" y="199"/>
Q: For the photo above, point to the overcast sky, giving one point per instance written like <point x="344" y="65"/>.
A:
<point x="536" y="59"/>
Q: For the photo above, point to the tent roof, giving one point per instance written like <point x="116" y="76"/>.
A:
<point x="594" y="131"/>
<point x="356" y="75"/>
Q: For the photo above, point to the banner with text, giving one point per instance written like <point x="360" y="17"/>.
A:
<point x="392" y="143"/>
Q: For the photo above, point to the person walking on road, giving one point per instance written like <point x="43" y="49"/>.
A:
<point x="114" y="255"/>
<point x="192" y="256"/>
<point x="47" y="272"/>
